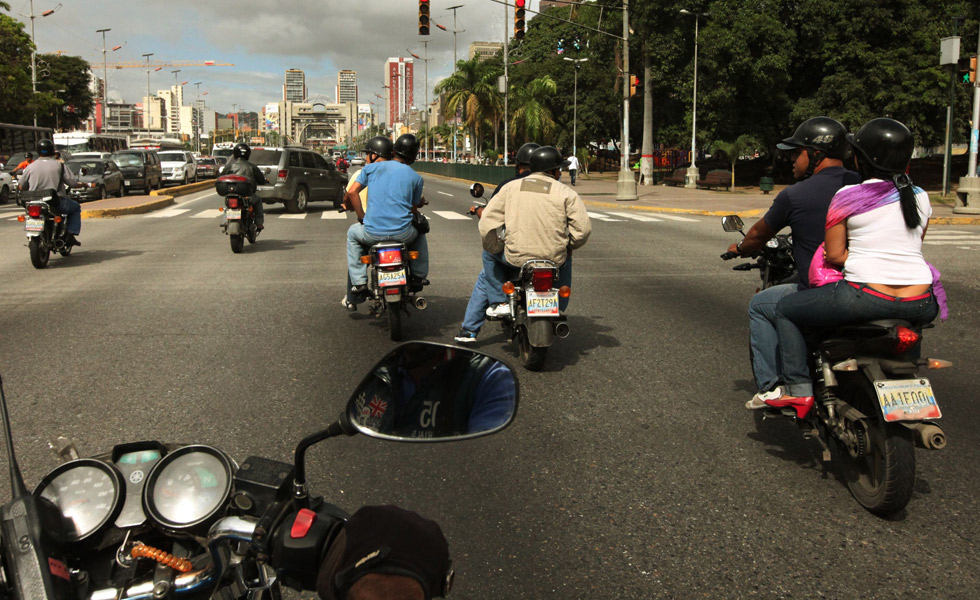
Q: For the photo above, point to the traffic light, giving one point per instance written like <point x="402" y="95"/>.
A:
<point x="968" y="69"/>
<point x="561" y="46"/>
<point x="519" y="6"/>
<point x="634" y="81"/>
<point x="577" y="44"/>
<point x="423" y="17"/>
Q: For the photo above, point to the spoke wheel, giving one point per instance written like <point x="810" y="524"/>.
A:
<point x="532" y="358"/>
<point x="40" y="253"/>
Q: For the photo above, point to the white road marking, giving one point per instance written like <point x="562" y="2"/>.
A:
<point x="296" y="216"/>
<point x="602" y="217"/>
<point x="170" y="212"/>
<point x="445" y="194"/>
<point x="332" y="214"/>
<point x="635" y="217"/>
<point x="676" y="218"/>
<point x="951" y="242"/>
<point x="452" y="216"/>
<point x="207" y="214"/>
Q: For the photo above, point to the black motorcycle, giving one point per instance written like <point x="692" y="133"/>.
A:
<point x="389" y="289"/>
<point x="150" y="520"/>
<point x="871" y="406"/>
<point x="239" y="216"/>
<point x="45" y="225"/>
<point x="774" y="261"/>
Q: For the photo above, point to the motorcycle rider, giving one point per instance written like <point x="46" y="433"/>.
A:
<point x="239" y="165"/>
<point x="817" y="150"/>
<point x="47" y="173"/>
<point x="512" y="231"/>
<point x="476" y="308"/>
<point x="396" y="195"/>
<point x="28" y="159"/>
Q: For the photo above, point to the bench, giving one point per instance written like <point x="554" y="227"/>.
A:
<point x="716" y="179"/>
<point x="678" y="177"/>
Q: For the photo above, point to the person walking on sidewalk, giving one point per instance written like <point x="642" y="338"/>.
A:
<point x="572" y="167"/>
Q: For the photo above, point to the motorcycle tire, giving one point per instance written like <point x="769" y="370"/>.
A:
<point x="39" y="254"/>
<point x="883" y="478"/>
<point x="237" y="243"/>
<point x="395" y="321"/>
<point x="531" y="357"/>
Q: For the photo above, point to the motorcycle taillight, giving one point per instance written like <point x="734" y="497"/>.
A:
<point x="232" y="202"/>
<point x="905" y="339"/>
<point x="34" y="210"/>
<point x="542" y="279"/>
<point x="389" y="256"/>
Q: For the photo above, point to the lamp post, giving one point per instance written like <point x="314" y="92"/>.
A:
<point x="105" y="81"/>
<point x="146" y="105"/>
<point x="46" y="13"/>
<point x="197" y="117"/>
<point x="235" y="106"/>
<point x="57" y="120"/>
<point x="575" y="104"/>
<point x="626" y="184"/>
<point x="692" y="171"/>
<point x="455" y="119"/>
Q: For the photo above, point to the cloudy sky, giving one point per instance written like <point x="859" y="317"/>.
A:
<point x="262" y="39"/>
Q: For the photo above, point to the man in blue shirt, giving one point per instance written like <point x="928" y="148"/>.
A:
<point x="816" y="150"/>
<point x="395" y="194"/>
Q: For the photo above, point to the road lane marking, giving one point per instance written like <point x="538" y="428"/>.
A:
<point x="452" y="216"/>
<point x="207" y="214"/>
<point x="635" y="217"/>
<point x="951" y="242"/>
<point x="170" y="212"/>
<point x="445" y="194"/>
<point x="676" y="218"/>
<point x="332" y="214"/>
<point x="602" y="217"/>
<point x="296" y="216"/>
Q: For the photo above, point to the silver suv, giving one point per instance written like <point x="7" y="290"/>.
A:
<point x="178" y="166"/>
<point x="298" y="176"/>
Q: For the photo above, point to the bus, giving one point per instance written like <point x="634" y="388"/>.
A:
<point x="157" y="144"/>
<point x="17" y="139"/>
<point x="83" y="141"/>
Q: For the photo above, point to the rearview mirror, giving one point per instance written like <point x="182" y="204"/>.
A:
<point x="427" y="392"/>
<point x="732" y="223"/>
<point x="83" y="171"/>
<point x="476" y="190"/>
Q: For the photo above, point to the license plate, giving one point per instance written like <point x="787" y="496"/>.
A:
<point x="907" y="400"/>
<point x="34" y="225"/>
<point x="129" y="183"/>
<point x="389" y="278"/>
<point x="542" y="304"/>
<point x="233" y="215"/>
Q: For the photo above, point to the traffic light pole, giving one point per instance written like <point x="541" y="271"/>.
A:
<point x="968" y="191"/>
<point x="626" y="185"/>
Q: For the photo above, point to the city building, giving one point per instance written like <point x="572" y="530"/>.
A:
<point x="294" y="88"/>
<point x="152" y="114"/>
<point x="316" y="121"/>
<point x="485" y="50"/>
<point x="347" y="86"/>
<point x="399" y="82"/>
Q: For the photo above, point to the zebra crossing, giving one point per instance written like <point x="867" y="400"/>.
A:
<point x="951" y="237"/>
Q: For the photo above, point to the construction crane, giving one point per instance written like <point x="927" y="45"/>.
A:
<point x="134" y="64"/>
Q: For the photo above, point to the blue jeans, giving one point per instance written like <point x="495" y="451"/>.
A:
<point x="571" y="174"/>
<point x="763" y="338"/>
<point x="834" y="305"/>
<point x="476" y="308"/>
<point x="496" y="270"/>
<point x="73" y="210"/>
<point x="359" y="240"/>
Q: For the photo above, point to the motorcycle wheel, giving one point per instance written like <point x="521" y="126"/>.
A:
<point x="532" y="358"/>
<point x="237" y="243"/>
<point x="883" y="478"/>
<point x="395" y="321"/>
<point x="39" y="255"/>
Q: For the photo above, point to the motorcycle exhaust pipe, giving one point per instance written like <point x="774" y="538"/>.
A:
<point x="59" y="245"/>
<point x="928" y="436"/>
<point x="561" y="329"/>
<point x="421" y="303"/>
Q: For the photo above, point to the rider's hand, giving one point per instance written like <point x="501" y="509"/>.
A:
<point x="734" y="249"/>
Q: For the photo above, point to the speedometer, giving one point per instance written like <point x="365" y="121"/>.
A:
<point x="188" y="487"/>
<point x="87" y="491"/>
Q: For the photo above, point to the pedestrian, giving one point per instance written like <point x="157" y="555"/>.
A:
<point x="572" y="167"/>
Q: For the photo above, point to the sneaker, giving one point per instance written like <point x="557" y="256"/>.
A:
<point x="465" y="337"/>
<point x="759" y="400"/>
<point x="801" y="404"/>
<point x="350" y="307"/>
<point x="416" y="283"/>
<point x="499" y="311"/>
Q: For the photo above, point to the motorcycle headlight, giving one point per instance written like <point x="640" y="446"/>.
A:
<point x="773" y="243"/>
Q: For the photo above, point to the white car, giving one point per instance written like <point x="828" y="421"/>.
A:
<point x="178" y="167"/>
<point x="6" y="187"/>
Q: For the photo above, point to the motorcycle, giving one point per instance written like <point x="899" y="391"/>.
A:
<point x="774" y="260"/>
<point x="871" y="407"/>
<point x="46" y="227"/>
<point x="388" y="289"/>
<point x="535" y="319"/>
<point x="150" y="520"/>
<point x="239" y="216"/>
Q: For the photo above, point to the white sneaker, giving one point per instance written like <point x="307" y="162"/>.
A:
<point x="759" y="400"/>
<point x="499" y="311"/>
<point x="350" y="307"/>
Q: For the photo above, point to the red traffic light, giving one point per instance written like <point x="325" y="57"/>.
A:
<point x="520" y="3"/>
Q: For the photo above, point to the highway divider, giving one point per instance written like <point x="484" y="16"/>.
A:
<point x="465" y="172"/>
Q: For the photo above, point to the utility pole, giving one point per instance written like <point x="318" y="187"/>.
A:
<point x="105" y="82"/>
<point x="968" y="191"/>
<point x="146" y="105"/>
<point x="197" y="117"/>
<point x="455" y="31"/>
<point x="425" y="44"/>
<point x="575" y="104"/>
<point x="506" y="83"/>
<point x="626" y="185"/>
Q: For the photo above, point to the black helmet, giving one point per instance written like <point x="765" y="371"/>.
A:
<point x="242" y="151"/>
<point x="885" y="144"/>
<point x="523" y="156"/>
<point x="45" y="148"/>
<point x="29" y="155"/>
<point x="546" y="158"/>
<point x="819" y="133"/>
<point x="407" y="147"/>
<point x="379" y="145"/>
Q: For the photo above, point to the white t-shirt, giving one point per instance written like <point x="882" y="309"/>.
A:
<point x="572" y="163"/>
<point x="881" y="249"/>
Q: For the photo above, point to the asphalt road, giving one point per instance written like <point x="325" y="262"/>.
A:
<point x="632" y="470"/>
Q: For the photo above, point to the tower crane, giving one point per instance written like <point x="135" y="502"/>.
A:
<point x="135" y="64"/>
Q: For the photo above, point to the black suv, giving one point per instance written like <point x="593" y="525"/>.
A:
<point x="298" y="176"/>
<point x="140" y="169"/>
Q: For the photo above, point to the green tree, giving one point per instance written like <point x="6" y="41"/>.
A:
<point x="75" y="103"/>
<point x="473" y="89"/>
<point x="532" y="119"/>
<point x="15" y="71"/>
<point x="745" y="144"/>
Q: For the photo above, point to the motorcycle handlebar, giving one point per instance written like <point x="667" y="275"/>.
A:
<point x="729" y="255"/>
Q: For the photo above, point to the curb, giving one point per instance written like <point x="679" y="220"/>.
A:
<point x="752" y="212"/>
<point x="183" y="190"/>
<point x="102" y="213"/>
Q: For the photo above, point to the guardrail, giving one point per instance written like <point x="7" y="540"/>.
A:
<point x="482" y="173"/>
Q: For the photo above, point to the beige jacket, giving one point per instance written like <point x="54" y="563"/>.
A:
<point x="543" y="218"/>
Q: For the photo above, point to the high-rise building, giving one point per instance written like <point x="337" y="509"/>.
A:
<point x="399" y="79"/>
<point x="485" y="50"/>
<point x="294" y="89"/>
<point x="346" y="87"/>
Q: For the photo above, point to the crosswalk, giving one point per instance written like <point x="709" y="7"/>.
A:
<point x="950" y="237"/>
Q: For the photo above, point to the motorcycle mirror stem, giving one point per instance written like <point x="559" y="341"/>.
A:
<point x="341" y="426"/>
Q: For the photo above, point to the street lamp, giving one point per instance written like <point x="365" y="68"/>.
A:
<point x="455" y="119"/>
<point x="146" y="105"/>
<point x="692" y="171"/>
<point x="197" y="117"/>
<point x="575" y="103"/>
<point x="46" y="13"/>
<point x="105" y="80"/>
<point x="57" y="120"/>
<point x="626" y="183"/>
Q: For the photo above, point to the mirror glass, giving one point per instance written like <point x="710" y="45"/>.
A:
<point x="476" y="190"/>
<point x="426" y="392"/>
<point x="732" y="223"/>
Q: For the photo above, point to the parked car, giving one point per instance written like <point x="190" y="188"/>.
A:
<point x="99" y="178"/>
<point x="90" y="155"/>
<point x="140" y="169"/>
<point x="178" y="167"/>
<point x="357" y="161"/>
<point x="298" y="176"/>
<point x="207" y="166"/>
<point x="6" y="187"/>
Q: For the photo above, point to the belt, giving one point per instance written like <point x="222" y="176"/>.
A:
<point x="864" y="288"/>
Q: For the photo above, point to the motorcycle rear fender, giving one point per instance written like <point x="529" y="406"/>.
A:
<point x="234" y="227"/>
<point x="540" y="331"/>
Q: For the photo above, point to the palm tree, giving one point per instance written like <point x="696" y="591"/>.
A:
<point x="743" y="145"/>
<point x="532" y="117"/>
<point x="473" y="88"/>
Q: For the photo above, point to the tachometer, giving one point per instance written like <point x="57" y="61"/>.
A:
<point x="88" y="492"/>
<point x="188" y="487"/>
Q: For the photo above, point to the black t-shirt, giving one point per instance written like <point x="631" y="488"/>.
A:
<point x="803" y="207"/>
